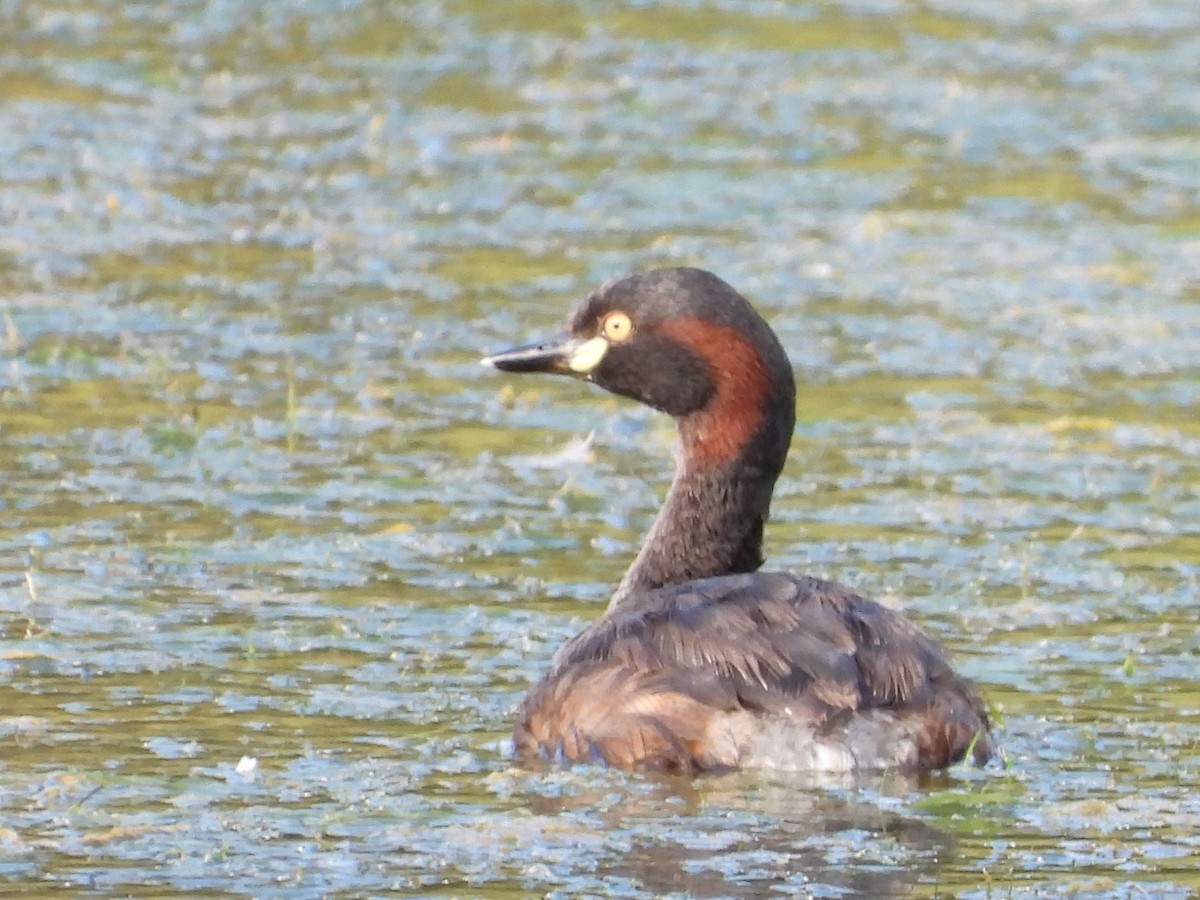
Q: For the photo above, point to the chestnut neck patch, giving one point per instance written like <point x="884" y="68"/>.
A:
<point x="716" y="435"/>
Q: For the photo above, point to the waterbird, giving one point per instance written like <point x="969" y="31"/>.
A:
<point x="702" y="662"/>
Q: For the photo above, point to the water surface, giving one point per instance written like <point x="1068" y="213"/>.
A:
<point x="258" y="500"/>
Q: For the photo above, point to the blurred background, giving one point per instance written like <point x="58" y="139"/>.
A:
<point x="278" y="557"/>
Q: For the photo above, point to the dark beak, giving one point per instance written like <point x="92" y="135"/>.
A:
<point x="552" y="355"/>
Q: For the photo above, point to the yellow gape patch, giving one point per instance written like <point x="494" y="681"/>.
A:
<point x="588" y="355"/>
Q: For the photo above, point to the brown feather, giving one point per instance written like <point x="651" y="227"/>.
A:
<point x="647" y="688"/>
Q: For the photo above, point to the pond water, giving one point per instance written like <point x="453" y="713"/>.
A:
<point x="278" y="557"/>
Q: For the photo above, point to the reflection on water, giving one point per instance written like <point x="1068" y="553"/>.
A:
<point x="258" y="500"/>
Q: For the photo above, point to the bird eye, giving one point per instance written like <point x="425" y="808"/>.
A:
<point x="617" y="326"/>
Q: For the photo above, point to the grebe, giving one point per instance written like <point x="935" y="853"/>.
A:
<point x="701" y="662"/>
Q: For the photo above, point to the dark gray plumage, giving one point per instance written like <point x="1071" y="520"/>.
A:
<point x="686" y="679"/>
<point x="701" y="662"/>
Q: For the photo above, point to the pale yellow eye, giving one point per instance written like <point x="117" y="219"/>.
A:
<point x="617" y="327"/>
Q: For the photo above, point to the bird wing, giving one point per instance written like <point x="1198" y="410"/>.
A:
<point x="768" y="644"/>
<point x="774" y="638"/>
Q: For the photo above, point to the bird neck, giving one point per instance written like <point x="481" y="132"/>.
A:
<point x="712" y="520"/>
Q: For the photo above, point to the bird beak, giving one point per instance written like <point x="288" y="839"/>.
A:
<point x="565" y="354"/>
